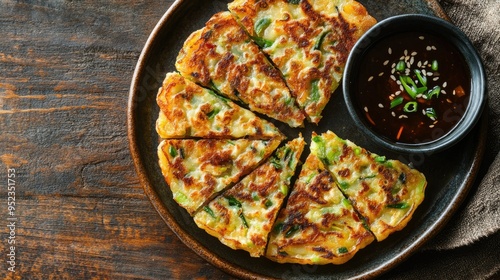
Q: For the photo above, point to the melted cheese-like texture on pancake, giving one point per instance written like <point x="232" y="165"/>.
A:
<point x="196" y="170"/>
<point x="243" y="216"/>
<point x="318" y="225"/>
<point x="309" y="43"/>
<point x="385" y="192"/>
<point x="222" y="56"/>
<point x="188" y="110"/>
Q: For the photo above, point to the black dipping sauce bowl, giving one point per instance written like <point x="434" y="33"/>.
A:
<point x="438" y="28"/>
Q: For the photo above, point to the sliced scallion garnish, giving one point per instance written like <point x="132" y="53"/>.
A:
<point x="431" y="113"/>
<point x="278" y="228"/>
<point x="261" y="25"/>
<point x="268" y="203"/>
<point x="342" y="250"/>
<point x="402" y="205"/>
<point x="380" y="159"/>
<point x="242" y="217"/>
<point x="344" y="185"/>
<point x="172" y="151"/>
<point x="212" y="113"/>
<point x="410" y="107"/>
<point x="292" y="230"/>
<point x="276" y="163"/>
<point x="409" y="86"/>
<point x="319" y="42"/>
<point x="396" y="101"/>
<point x="434" y="65"/>
<point x="421" y="78"/>
<point x="284" y="189"/>
<point x="421" y="90"/>
<point x="314" y="96"/>
<point x="263" y="43"/>
<point x="401" y="66"/>
<point x="433" y="92"/>
<point x="233" y="201"/>
<point x="255" y="196"/>
<point x="209" y="211"/>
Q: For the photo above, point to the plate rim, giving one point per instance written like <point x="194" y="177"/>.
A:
<point x="234" y="269"/>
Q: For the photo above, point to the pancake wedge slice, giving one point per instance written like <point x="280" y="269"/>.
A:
<point x="318" y="225"/>
<point x="188" y="110"/>
<point x="385" y="192"/>
<point x="222" y="56"/>
<point x="196" y="170"/>
<point x="308" y="41"/>
<point x="243" y="216"/>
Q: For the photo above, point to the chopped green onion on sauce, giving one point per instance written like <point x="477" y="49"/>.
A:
<point x="401" y="66"/>
<point x="431" y="113"/>
<point x="410" y="107"/>
<point x="434" y="65"/>
<point x="409" y="86"/>
<point x="396" y="101"/>
<point x="434" y="92"/>
<point x="421" y="78"/>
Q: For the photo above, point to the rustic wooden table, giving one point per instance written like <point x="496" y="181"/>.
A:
<point x="80" y="211"/>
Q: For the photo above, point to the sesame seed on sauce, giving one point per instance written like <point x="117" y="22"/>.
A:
<point x="420" y="65"/>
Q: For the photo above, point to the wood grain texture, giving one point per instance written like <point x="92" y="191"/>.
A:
<point x="65" y="72"/>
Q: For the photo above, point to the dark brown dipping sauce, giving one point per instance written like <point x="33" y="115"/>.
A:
<point x="379" y="84"/>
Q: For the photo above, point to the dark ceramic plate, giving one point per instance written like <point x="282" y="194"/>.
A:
<point x="450" y="174"/>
